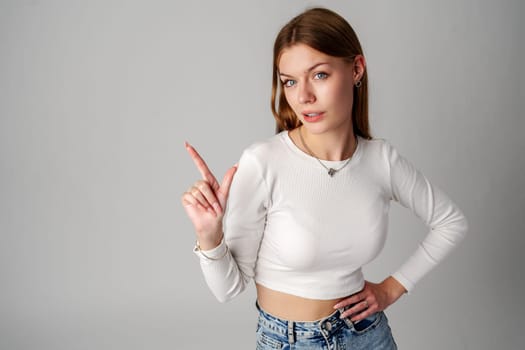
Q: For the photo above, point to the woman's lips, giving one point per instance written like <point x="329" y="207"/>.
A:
<point x="313" y="117"/>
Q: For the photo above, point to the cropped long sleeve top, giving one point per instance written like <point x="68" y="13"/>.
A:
<point x="294" y="229"/>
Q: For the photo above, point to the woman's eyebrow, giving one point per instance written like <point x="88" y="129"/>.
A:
<point x="306" y="71"/>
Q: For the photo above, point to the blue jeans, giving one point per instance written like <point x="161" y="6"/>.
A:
<point x="329" y="333"/>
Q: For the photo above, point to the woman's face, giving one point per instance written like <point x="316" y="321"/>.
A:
<point x="319" y="87"/>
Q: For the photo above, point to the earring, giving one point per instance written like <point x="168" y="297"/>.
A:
<point x="358" y="84"/>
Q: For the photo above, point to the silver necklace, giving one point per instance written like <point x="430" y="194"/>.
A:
<point x="331" y="171"/>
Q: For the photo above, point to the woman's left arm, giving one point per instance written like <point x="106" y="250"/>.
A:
<point x="445" y="220"/>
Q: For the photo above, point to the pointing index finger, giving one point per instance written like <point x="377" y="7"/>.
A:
<point x="201" y="165"/>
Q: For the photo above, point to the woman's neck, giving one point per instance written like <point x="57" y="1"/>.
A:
<point x="333" y="145"/>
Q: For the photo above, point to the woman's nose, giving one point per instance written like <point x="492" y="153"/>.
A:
<point x="306" y="94"/>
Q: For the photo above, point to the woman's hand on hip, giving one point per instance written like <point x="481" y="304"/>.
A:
<point x="373" y="298"/>
<point x="205" y="202"/>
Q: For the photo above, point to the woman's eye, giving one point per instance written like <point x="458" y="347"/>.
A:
<point x="320" y="76"/>
<point x="289" y="83"/>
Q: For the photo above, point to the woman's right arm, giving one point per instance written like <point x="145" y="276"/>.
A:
<point x="227" y="262"/>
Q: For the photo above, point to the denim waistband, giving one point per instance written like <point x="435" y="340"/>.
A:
<point x="303" y="329"/>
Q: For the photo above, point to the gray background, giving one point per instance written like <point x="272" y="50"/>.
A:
<point x="97" y="98"/>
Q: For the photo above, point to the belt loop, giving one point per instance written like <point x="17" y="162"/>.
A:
<point x="291" y="338"/>
<point x="347" y="320"/>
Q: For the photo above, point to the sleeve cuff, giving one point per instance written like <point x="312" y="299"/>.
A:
<point x="216" y="253"/>
<point x="409" y="286"/>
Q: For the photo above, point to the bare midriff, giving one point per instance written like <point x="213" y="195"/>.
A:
<point x="291" y="307"/>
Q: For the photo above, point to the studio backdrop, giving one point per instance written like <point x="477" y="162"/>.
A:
<point x="98" y="97"/>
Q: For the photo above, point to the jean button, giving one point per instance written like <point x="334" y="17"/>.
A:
<point x="328" y="326"/>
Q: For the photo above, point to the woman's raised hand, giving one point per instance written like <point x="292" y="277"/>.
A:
<point x="205" y="202"/>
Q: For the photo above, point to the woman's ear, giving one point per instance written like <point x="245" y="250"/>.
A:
<point x="359" y="67"/>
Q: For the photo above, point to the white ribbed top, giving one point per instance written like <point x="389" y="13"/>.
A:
<point x="295" y="229"/>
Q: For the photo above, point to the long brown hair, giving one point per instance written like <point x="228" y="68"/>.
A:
<point x="329" y="33"/>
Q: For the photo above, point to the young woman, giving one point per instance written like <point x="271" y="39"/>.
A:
<point x="308" y="207"/>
